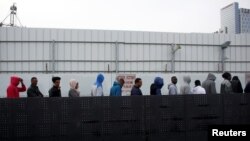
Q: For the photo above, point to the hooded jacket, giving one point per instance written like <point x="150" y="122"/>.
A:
<point x="13" y="90"/>
<point x="226" y="87"/>
<point x="247" y="88"/>
<point x="116" y="89"/>
<point x="73" y="92"/>
<point x="209" y="84"/>
<point x="155" y="88"/>
<point x="185" y="88"/>
<point x="236" y="85"/>
<point x="97" y="89"/>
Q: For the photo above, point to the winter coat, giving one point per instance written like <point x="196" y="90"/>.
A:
<point x="209" y="84"/>
<point x="226" y="87"/>
<point x="13" y="90"/>
<point x="199" y="90"/>
<point x="172" y="89"/>
<point x="155" y="88"/>
<point x="55" y="92"/>
<point x="116" y="89"/>
<point x="136" y="91"/>
<point x="73" y="92"/>
<point x="247" y="89"/>
<point x="33" y="91"/>
<point x="236" y="86"/>
<point x="185" y="88"/>
<point x="97" y="89"/>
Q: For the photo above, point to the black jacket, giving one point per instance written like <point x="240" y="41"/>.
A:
<point x="136" y="91"/>
<point x="55" y="92"/>
<point x="236" y="86"/>
<point x="247" y="89"/>
<point x="33" y="91"/>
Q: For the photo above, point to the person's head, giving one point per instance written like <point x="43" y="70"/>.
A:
<point x="56" y="81"/>
<point x="197" y="83"/>
<point x="235" y="78"/>
<point x="174" y="79"/>
<point x="73" y="84"/>
<point x="227" y="76"/>
<point x="34" y="81"/>
<point x="99" y="80"/>
<point x="121" y="81"/>
<point x="211" y="76"/>
<point x="187" y="79"/>
<point x="138" y="82"/>
<point x="159" y="82"/>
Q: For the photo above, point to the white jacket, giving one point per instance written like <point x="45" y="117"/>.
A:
<point x="199" y="90"/>
<point x="96" y="91"/>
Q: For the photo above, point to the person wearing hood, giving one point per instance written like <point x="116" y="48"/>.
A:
<point x="236" y="85"/>
<point x="209" y="84"/>
<point x="185" y="88"/>
<point x="172" y="86"/>
<point x="33" y="90"/>
<point x="55" y="91"/>
<point x="198" y="89"/>
<point x="116" y="89"/>
<point x="247" y="88"/>
<point x="226" y="86"/>
<point x="155" y="88"/>
<point x="13" y="89"/>
<point x="74" y="85"/>
<point x="97" y="89"/>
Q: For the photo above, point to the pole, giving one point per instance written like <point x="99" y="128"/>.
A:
<point x="116" y="57"/>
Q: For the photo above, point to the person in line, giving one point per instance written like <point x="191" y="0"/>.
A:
<point x="185" y="88"/>
<point x="74" y="85"/>
<point x="116" y="89"/>
<point x="172" y="86"/>
<point x="13" y="89"/>
<point x="33" y="90"/>
<point x="226" y="86"/>
<point x="198" y="89"/>
<point x="55" y="91"/>
<point x="209" y="84"/>
<point x="136" y="88"/>
<point x="236" y="85"/>
<point x="97" y="89"/>
<point x="247" y="88"/>
<point x="155" y="88"/>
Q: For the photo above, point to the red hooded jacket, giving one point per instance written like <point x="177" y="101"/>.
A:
<point x="13" y="90"/>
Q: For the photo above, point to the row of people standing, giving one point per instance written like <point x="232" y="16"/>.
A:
<point x="207" y="87"/>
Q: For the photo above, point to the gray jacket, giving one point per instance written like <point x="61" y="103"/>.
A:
<point x="172" y="89"/>
<point x="226" y="87"/>
<point x="209" y="84"/>
<point x="74" y="93"/>
<point x="186" y="89"/>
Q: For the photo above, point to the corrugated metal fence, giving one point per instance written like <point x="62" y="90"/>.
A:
<point x="71" y="50"/>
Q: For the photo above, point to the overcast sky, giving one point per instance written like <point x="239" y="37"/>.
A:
<point x="140" y="15"/>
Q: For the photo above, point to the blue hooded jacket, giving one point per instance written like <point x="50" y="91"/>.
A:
<point x="116" y="89"/>
<point x="155" y="88"/>
<point x="99" y="80"/>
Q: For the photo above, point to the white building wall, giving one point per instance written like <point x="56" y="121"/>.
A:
<point x="81" y="54"/>
<point x="230" y="18"/>
<point x="31" y="50"/>
<point x="245" y="20"/>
